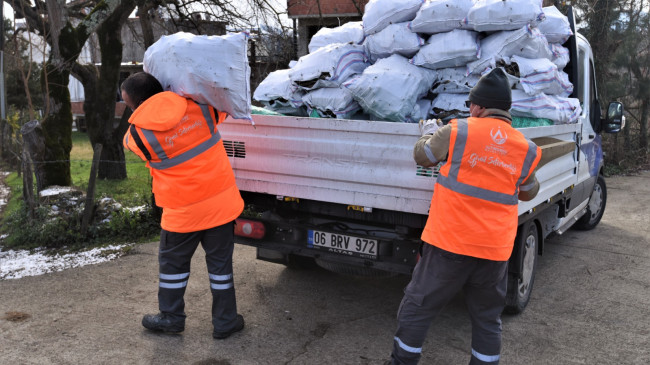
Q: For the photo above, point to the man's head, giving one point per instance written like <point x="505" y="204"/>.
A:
<point x="492" y="91"/>
<point x="139" y="87"/>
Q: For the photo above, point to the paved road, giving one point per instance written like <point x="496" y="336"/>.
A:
<point x="590" y="305"/>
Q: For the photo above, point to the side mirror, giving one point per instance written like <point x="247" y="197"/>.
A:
<point x="614" y="120"/>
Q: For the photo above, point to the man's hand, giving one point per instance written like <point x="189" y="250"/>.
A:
<point x="430" y="126"/>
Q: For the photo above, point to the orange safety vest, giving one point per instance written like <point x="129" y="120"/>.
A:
<point x="474" y="206"/>
<point x="185" y="155"/>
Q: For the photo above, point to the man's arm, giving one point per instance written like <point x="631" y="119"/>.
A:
<point x="431" y="149"/>
<point x="529" y="188"/>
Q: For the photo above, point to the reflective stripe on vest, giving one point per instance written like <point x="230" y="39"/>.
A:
<point x="167" y="162"/>
<point x="451" y="181"/>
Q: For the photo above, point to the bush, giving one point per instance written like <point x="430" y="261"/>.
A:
<point x="60" y="231"/>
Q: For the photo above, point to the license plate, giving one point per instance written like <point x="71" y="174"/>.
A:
<point x="343" y="244"/>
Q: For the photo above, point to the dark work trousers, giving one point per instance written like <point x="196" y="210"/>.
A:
<point x="176" y="250"/>
<point x="437" y="278"/>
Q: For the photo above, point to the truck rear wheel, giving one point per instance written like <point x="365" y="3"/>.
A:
<point x="520" y="286"/>
<point x="595" y="208"/>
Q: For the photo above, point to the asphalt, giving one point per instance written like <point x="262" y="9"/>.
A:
<point x="590" y="305"/>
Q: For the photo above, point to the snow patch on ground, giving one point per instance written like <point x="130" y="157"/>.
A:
<point x="21" y="263"/>
<point x="55" y="190"/>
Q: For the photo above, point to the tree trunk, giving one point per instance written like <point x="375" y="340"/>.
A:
<point x="99" y="105"/>
<point x="57" y="127"/>
<point x="643" y="124"/>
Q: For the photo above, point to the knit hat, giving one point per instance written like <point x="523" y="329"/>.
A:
<point x="492" y="91"/>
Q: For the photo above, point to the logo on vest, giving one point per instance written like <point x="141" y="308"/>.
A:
<point x="498" y="137"/>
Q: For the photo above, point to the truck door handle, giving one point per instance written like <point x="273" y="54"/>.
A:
<point x="592" y="136"/>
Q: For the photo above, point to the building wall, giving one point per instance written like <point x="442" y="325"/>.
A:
<point x="307" y="8"/>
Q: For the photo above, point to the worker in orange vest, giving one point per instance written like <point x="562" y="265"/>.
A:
<point x="470" y="232"/>
<point x="194" y="184"/>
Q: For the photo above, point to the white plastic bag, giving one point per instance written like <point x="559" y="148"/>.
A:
<point x="334" y="102"/>
<point x="394" y="39"/>
<point x="389" y="89"/>
<point x="421" y="111"/>
<point x="381" y="13"/>
<point x="277" y="93"/>
<point x="555" y="27"/>
<point x="449" y="103"/>
<point x="542" y="76"/>
<point x="348" y="32"/>
<point x="560" y="55"/>
<point x="558" y="109"/>
<point x="495" y="15"/>
<point x="451" y="49"/>
<point x="210" y="70"/>
<point x="454" y="81"/>
<point x="526" y="42"/>
<point x="440" y="16"/>
<point x="329" y="66"/>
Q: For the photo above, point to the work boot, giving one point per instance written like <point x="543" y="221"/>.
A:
<point x="239" y="325"/>
<point x="163" y="322"/>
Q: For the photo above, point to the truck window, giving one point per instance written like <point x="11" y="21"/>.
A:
<point x="594" y="106"/>
<point x="581" y="77"/>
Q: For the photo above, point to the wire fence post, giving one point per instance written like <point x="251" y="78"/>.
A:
<point x="28" y="183"/>
<point x="90" y="194"/>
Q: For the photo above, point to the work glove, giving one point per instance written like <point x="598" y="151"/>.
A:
<point x="429" y="126"/>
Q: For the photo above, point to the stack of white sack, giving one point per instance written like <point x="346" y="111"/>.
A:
<point x="280" y="95"/>
<point x="465" y="39"/>
<point x="211" y="70"/>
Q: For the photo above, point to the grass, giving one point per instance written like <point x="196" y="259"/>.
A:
<point x="124" y="226"/>
<point x="130" y="192"/>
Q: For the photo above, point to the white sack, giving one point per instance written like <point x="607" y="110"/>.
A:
<point x="421" y="110"/>
<point x="454" y="81"/>
<point x="329" y="66"/>
<point x="560" y="55"/>
<point x="449" y="103"/>
<point x="210" y="70"/>
<point x="495" y="15"/>
<point x="542" y="76"/>
<point x="451" y="49"/>
<point x="558" y="109"/>
<point x="331" y="102"/>
<point x="526" y="42"/>
<point x="395" y="38"/>
<point x="381" y="13"/>
<point x="389" y="89"/>
<point x="440" y="16"/>
<point x="277" y="93"/>
<point x="555" y="27"/>
<point x="348" y="32"/>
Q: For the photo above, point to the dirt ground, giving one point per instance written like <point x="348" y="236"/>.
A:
<point x="590" y="305"/>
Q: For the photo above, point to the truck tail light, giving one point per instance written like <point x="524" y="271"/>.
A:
<point x="249" y="228"/>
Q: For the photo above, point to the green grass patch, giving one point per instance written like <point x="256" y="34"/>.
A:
<point x="57" y="232"/>
<point x="130" y="192"/>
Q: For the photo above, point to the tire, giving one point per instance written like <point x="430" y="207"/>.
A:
<point x="520" y="288"/>
<point x="595" y="207"/>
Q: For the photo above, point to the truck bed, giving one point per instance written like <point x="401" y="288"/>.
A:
<point x="354" y="162"/>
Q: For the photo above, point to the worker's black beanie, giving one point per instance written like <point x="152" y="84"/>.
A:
<point x="492" y="91"/>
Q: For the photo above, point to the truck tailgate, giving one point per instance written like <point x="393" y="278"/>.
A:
<point x="355" y="162"/>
